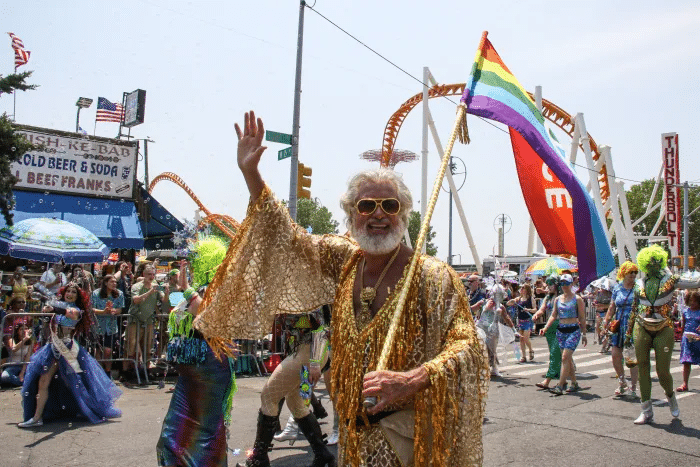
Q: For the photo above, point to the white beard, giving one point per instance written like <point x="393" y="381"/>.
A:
<point x="378" y="244"/>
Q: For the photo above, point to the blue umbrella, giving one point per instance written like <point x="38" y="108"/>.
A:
<point x="51" y="240"/>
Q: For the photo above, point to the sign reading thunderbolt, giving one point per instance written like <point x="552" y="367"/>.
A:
<point x="672" y="192"/>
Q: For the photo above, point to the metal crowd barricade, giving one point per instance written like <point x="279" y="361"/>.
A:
<point x="157" y="355"/>
<point x="33" y="321"/>
<point x="590" y="314"/>
<point x="120" y="349"/>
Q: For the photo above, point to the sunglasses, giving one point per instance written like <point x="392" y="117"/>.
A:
<point x="566" y="283"/>
<point x="367" y="206"/>
<point x="633" y="272"/>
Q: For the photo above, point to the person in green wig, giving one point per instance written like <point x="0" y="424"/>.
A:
<point x="650" y="326"/>
<point x="194" y="428"/>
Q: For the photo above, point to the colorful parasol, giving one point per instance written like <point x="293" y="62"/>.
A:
<point x="51" y="240"/>
<point x="551" y="265"/>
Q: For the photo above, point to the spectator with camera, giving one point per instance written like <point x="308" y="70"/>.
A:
<point x="54" y="278"/>
<point x="83" y="278"/>
<point x="21" y="347"/>
<point x="145" y="296"/>
<point x="17" y="304"/>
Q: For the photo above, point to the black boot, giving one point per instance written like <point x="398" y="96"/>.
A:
<point x="263" y="441"/>
<point x="312" y="430"/>
<point x="319" y="411"/>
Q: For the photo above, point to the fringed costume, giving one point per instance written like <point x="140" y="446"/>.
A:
<point x="194" y="428"/>
<point x="274" y="266"/>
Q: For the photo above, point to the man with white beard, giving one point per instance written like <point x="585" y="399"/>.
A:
<point x="431" y="398"/>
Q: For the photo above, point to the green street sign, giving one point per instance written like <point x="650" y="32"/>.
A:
<point x="284" y="153"/>
<point x="275" y="137"/>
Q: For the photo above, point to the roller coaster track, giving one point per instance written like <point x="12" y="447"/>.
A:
<point x="550" y="111"/>
<point x="210" y="217"/>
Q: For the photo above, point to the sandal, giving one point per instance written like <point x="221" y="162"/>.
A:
<point x="573" y="388"/>
<point x="557" y="390"/>
<point x="532" y="355"/>
<point x="523" y="360"/>
<point x="542" y="385"/>
<point x="682" y="388"/>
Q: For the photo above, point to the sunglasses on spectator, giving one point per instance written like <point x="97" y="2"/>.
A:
<point x="566" y="283"/>
<point x="367" y="206"/>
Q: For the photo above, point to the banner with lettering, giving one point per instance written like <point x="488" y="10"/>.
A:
<point x="547" y="200"/>
<point x="672" y="191"/>
<point x="73" y="164"/>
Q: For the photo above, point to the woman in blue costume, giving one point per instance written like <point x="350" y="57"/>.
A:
<point x="62" y="379"/>
<point x="194" y="429"/>
<point x="554" y="351"/>
<point x="620" y="308"/>
<point x="569" y="312"/>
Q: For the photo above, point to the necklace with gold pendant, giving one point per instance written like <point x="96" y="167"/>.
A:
<point x="368" y="294"/>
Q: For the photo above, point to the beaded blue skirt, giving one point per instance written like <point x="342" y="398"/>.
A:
<point x="89" y="394"/>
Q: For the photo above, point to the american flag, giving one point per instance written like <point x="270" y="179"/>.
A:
<point x="21" y="55"/>
<point x="108" y="112"/>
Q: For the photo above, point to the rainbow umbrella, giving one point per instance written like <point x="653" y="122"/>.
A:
<point x="551" y="265"/>
<point x="51" y="240"/>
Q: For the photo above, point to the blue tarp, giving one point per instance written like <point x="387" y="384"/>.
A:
<point x="158" y="230"/>
<point x="115" y="222"/>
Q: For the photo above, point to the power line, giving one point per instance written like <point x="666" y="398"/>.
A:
<point x="393" y="64"/>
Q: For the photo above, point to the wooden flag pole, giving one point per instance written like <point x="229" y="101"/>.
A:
<point x="391" y="334"/>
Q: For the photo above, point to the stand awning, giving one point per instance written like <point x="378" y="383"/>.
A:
<point x="115" y="222"/>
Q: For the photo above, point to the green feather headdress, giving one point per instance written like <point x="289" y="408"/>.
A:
<point x="206" y="256"/>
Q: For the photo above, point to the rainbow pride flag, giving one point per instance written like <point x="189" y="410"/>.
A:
<point x="493" y="92"/>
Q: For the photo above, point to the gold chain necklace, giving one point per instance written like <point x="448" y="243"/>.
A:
<point x="368" y="294"/>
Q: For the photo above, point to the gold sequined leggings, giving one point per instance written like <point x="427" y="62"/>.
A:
<point x="284" y="382"/>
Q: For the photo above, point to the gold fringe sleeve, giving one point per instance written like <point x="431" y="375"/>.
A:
<point x="272" y="266"/>
<point x="450" y="413"/>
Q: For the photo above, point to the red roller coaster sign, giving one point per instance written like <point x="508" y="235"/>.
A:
<point x="672" y="192"/>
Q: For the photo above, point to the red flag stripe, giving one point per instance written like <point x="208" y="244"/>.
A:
<point x="21" y="55"/>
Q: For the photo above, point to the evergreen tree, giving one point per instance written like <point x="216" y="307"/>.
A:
<point x="12" y="145"/>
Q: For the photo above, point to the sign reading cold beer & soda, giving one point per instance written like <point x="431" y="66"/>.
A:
<point x="68" y="163"/>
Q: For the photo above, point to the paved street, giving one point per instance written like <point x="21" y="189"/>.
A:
<point x="525" y="426"/>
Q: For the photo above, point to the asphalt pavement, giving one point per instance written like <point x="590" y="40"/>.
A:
<point x="524" y="426"/>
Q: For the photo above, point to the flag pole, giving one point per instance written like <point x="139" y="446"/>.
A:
<point x="391" y="334"/>
<point x="14" y="98"/>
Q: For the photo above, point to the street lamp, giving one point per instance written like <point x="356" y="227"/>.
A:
<point x="83" y="103"/>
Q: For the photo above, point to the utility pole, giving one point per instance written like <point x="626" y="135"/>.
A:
<point x="295" y="120"/>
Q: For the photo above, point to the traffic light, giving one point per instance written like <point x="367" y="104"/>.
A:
<point x="303" y="181"/>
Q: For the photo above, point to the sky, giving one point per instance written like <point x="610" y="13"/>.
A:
<point x="631" y="68"/>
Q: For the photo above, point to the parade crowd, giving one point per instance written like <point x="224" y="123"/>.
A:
<point x="344" y="297"/>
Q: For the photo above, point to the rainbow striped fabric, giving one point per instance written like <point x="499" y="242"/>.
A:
<point x="493" y="92"/>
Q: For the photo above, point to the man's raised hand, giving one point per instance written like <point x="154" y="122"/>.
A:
<point x="250" y="150"/>
<point x="250" y="147"/>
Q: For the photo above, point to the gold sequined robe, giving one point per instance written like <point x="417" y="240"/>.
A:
<point x="275" y="266"/>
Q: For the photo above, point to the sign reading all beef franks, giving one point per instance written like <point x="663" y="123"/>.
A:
<point x="672" y="192"/>
<point x="73" y="164"/>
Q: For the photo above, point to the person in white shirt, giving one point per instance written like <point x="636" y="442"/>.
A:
<point x="53" y="279"/>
